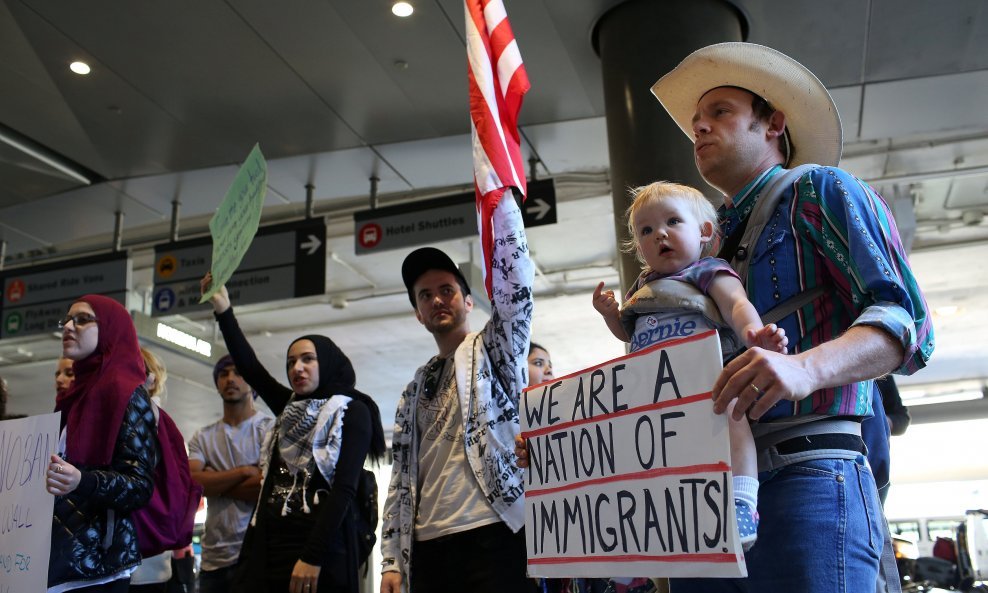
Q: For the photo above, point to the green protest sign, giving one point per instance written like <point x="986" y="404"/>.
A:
<point x="235" y="222"/>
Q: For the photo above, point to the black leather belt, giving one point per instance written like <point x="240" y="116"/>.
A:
<point x="814" y="442"/>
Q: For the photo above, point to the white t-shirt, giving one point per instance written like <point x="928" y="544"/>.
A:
<point x="450" y="499"/>
<point x="222" y="447"/>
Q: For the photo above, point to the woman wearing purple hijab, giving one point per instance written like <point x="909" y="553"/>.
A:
<point x="106" y="451"/>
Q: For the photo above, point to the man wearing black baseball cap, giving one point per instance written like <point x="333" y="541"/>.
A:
<point x="455" y="488"/>
<point x="424" y="259"/>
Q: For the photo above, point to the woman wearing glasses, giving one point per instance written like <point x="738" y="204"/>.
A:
<point x="302" y="537"/>
<point x="106" y="451"/>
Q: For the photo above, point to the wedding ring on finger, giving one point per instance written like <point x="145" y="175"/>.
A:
<point x="758" y="392"/>
<point x="58" y="468"/>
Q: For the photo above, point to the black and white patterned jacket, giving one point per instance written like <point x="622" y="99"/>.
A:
<point x="489" y="403"/>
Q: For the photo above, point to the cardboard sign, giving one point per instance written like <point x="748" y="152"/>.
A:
<point x="629" y="469"/>
<point x="235" y="222"/>
<point x="26" y="445"/>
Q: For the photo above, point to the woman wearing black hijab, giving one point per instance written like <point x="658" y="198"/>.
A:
<point x="302" y="538"/>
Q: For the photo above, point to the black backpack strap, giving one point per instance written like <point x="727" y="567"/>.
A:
<point x="729" y="249"/>
<point x="751" y="228"/>
<point x="737" y="247"/>
<point x="791" y="305"/>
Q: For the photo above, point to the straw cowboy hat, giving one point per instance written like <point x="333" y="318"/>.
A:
<point x="812" y="120"/>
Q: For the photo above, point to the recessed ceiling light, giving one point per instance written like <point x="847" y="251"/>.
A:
<point x="402" y="9"/>
<point x="79" y="67"/>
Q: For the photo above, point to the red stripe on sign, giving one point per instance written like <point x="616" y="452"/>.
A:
<point x="642" y="352"/>
<point x="712" y="558"/>
<point x="701" y="468"/>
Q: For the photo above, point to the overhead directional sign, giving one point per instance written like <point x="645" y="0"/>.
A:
<point x="406" y="225"/>
<point x="284" y="261"/>
<point x="35" y="299"/>
<point x="540" y="205"/>
<point x="440" y="219"/>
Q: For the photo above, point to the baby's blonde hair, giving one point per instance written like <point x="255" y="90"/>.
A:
<point x="661" y="190"/>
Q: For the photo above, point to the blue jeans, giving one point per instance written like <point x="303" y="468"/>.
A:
<point x="821" y="530"/>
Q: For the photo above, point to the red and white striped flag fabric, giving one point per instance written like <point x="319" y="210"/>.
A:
<point x="498" y="83"/>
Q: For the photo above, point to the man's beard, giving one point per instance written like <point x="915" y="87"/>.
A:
<point x="446" y="324"/>
<point x="235" y="399"/>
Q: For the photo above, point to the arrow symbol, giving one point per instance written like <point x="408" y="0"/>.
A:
<point x="311" y="245"/>
<point x="540" y="209"/>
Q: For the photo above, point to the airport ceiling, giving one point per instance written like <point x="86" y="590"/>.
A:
<point x="337" y="92"/>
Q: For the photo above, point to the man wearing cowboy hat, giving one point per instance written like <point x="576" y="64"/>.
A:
<point x="819" y="248"/>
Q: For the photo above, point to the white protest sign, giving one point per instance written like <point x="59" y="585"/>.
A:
<point x="25" y="505"/>
<point x="629" y="469"/>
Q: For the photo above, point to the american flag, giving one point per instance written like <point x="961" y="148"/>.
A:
<point x="498" y="83"/>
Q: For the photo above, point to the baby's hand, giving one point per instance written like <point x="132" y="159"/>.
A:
<point x="605" y="303"/>
<point x="770" y="337"/>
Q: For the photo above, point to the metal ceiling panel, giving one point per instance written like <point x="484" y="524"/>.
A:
<point x="560" y="80"/>
<point x="432" y="163"/>
<point x="434" y="80"/>
<point x="919" y="105"/>
<point x="20" y="243"/>
<point x="929" y="199"/>
<point x="923" y="157"/>
<point x="578" y="145"/>
<point x="194" y="64"/>
<point x="952" y="279"/>
<point x="336" y="174"/>
<point x="117" y="125"/>
<point x="200" y="191"/>
<point x="574" y="22"/>
<point x="969" y="193"/>
<point x="83" y="213"/>
<point x="848" y="101"/>
<point x="867" y="167"/>
<point x="826" y="37"/>
<point x="26" y="178"/>
<point x="320" y="46"/>
<point x="926" y="38"/>
<point x="31" y="104"/>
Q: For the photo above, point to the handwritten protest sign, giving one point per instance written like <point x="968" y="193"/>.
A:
<point x="629" y="469"/>
<point x="235" y="222"/>
<point x="25" y="504"/>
